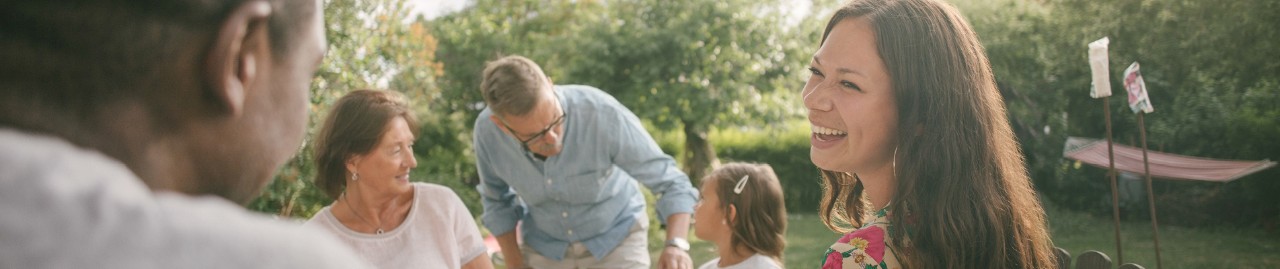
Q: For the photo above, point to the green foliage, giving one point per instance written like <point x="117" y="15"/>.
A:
<point x="700" y="62"/>
<point x="785" y="147"/>
<point x="729" y="72"/>
<point x="541" y="30"/>
<point x="1211" y="78"/>
<point x="693" y="65"/>
<point x="372" y="46"/>
<point x="674" y="63"/>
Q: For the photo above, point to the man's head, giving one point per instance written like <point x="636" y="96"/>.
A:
<point x="524" y="104"/>
<point x="200" y="96"/>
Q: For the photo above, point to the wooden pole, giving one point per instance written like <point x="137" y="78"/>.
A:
<point x="1151" y="198"/>
<point x="1111" y="172"/>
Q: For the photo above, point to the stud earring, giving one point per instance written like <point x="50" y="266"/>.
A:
<point x="355" y="176"/>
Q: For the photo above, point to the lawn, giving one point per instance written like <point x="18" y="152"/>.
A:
<point x="1076" y="232"/>
<point x="1210" y="247"/>
<point x="1179" y="247"/>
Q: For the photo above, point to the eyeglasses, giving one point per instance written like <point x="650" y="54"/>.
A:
<point x="524" y="142"/>
<point x="539" y="135"/>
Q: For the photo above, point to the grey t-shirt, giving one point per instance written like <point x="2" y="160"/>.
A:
<point x="66" y="207"/>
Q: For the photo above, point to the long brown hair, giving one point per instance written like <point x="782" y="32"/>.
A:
<point x="355" y="126"/>
<point x="963" y="199"/>
<point x="761" y="222"/>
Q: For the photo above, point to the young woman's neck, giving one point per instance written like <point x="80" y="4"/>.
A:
<point x="879" y="185"/>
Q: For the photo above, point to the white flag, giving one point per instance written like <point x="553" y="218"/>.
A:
<point x="1098" y="64"/>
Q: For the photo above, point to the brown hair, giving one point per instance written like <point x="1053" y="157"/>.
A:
<point x="963" y="199"/>
<point x="512" y="85"/>
<point x="354" y="127"/>
<point x="761" y="223"/>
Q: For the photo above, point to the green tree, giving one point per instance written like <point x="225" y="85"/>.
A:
<point x="1210" y="69"/>
<point x="545" y="31"/>
<point x="695" y="65"/>
<point x="370" y="46"/>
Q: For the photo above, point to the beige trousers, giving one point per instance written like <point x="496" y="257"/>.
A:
<point x="632" y="253"/>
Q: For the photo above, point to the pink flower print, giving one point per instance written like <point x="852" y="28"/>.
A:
<point x="861" y="248"/>
<point x="834" y="261"/>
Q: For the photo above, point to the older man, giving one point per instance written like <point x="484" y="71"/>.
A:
<point x="117" y="117"/>
<point x="564" y="160"/>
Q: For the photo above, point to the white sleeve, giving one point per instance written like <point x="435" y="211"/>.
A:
<point x="465" y="230"/>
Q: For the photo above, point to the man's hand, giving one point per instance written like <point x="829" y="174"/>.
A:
<point x="511" y="253"/>
<point x="673" y="257"/>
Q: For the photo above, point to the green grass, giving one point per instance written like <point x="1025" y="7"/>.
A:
<point x="1180" y="247"/>
<point x="1076" y="232"/>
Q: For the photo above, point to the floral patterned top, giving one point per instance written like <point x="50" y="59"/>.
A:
<point x="865" y="248"/>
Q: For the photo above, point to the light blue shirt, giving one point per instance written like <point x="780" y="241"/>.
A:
<point x="586" y="193"/>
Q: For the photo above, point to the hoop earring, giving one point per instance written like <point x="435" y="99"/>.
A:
<point x="895" y="162"/>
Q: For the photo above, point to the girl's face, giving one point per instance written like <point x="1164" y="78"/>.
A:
<point x="709" y="221"/>
<point x="385" y="169"/>
<point x="850" y="100"/>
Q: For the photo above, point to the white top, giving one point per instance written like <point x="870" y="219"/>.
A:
<point x="66" y="207"/>
<point x="756" y="261"/>
<point x="438" y="233"/>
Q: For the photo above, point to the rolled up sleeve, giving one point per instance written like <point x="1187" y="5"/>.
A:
<point x="637" y="153"/>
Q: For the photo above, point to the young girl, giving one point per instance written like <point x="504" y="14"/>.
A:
<point x="742" y="212"/>
<point x="920" y="165"/>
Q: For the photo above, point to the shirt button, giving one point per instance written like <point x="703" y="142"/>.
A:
<point x="548" y="181"/>
<point x="564" y="214"/>
<point x="570" y="232"/>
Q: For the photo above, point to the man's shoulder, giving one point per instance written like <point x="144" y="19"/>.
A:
<point x="588" y="100"/>
<point x="66" y="207"/>
<point x="216" y="231"/>
<point x="581" y="93"/>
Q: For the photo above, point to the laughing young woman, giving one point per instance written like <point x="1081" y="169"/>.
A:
<point x="920" y="166"/>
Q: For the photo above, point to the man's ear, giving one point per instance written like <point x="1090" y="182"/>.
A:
<point x="232" y="63"/>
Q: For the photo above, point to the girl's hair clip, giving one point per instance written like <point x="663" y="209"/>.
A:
<point x="742" y="183"/>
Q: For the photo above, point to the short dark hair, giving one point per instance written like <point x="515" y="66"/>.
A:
<point x="76" y="56"/>
<point x="354" y="127"/>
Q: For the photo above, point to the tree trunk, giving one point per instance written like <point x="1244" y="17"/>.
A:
<point x="699" y="157"/>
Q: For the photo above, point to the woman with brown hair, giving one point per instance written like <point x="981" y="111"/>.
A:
<point x="920" y="167"/>
<point x="364" y="154"/>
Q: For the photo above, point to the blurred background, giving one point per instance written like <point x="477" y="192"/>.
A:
<point x="719" y="81"/>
